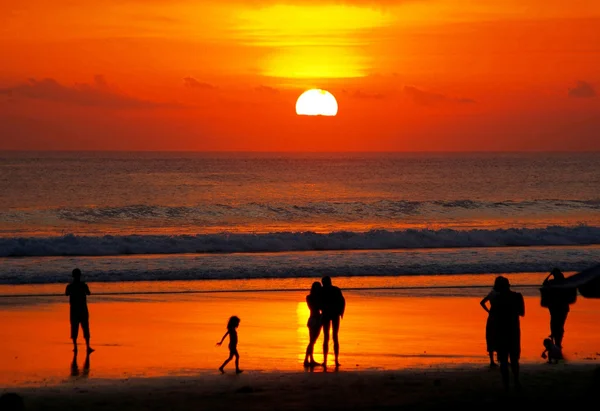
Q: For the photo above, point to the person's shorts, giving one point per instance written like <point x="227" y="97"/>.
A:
<point x="76" y="321"/>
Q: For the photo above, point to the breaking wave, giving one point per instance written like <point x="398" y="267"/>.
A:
<point x="74" y="245"/>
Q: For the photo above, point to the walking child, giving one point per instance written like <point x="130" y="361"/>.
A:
<point x="232" y="326"/>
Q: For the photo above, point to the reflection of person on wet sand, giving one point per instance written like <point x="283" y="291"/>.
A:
<point x="507" y="309"/>
<point x="75" y="366"/>
<point x="79" y="315"/>
<point x="332" y="308"/>
<point x="489" y="326"/>
<point x="232" y="326"/>
<point x="313" y="300"/>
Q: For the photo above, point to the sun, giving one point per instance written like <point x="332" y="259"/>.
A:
<point x="316" y="102"/>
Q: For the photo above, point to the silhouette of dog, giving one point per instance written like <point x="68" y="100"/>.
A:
<point x="551" y="351"/>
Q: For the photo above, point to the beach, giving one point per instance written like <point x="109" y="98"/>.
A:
<point x="157" y="352"/>
<point x="544" y="388"/>
<point x="396" y="345"/>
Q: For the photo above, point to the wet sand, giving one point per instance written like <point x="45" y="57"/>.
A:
<point x="548" y="388"/>
<point x="151" y="336"/>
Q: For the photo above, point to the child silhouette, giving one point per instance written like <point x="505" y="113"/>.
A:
<point x="232" y="326"/>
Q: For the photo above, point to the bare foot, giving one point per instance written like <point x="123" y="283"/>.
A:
<point x="222" y="370"/>
<point x="239" y="371"/>
<point x="314" y="364"/>
<point x="90" y="350"/>
<point x="337" y="364"/>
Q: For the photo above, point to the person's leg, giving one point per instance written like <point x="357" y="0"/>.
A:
<point x="237" y="363"/>
<point x="562" y="319"/>
<point x="317" y="333"/>
<point x="74" y="332"/>
<point x="309" y="348"/>
<point x="307" y="354"/>
<point x="557" y="326"/>
<point x="314" y="336"/>
<point x="326" y="326"/>
<point x="492" y="362"/>
<point x="514" y="365"/>
<point x="85" y="326"/>
<point x="503" y="360"/>
<point x="335" y="325"/>
<point x="226" y="362"/>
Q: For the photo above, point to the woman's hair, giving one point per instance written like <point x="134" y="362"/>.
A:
<point x="501" y="284"/>
<point x="316" y="287"/>
<point x="234" y="321"/>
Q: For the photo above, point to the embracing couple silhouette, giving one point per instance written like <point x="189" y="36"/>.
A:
<point x="327" y="305"/>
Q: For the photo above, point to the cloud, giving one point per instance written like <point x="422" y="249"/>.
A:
<point x="191" y="82"/>
<point x="266" y="89"/>
<point x="426" y="98"/>
<point x="96" y="94"/>
<point x="583" y="89"/>
<point x="368" y="96"/>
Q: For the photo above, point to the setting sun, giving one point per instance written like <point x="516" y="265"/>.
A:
<point x="316" y="102"/>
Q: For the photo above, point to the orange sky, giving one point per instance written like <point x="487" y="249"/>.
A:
<point x="409" y="75"/>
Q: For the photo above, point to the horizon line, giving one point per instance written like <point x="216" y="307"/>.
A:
<point x="294" y="151"/>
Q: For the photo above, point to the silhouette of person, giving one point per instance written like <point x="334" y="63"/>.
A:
<point x="11" y="401"/>
<point x="232" y="326"/>
<point x="78" y="291"/>
<point x="489" y="326"/>
<point x="313" y="300"/>
<point x="558" y="307"/>
<point x="506" y="310"/>
<point x="75" y="367"/>
<point x="332" y="309"/>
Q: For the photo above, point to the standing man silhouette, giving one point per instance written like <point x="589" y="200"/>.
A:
<point x="78" y="292"/>
<point x="332" y="309"/>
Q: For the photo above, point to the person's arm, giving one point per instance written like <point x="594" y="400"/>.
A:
<point x="68" y="290"/>
<point x="483" y="303"/>
<point x="222" y="339"/>
<point x="87" y="290"/>
<point x="521" y="305"/>
<point x="547" y="280"/>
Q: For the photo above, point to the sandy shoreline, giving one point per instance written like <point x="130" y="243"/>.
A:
<point x="544" y="387"/>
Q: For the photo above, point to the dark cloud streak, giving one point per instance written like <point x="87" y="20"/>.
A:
<point x="192" y="83"/>
<point x="583" y="89"/>
<point x="96" y="94"/>
<point x="426" y="98"/>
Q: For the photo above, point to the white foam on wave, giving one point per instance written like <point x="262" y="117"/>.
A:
<point x="33" y="270"/>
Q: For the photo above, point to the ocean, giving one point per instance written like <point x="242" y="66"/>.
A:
<point x="148" y="216"/>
